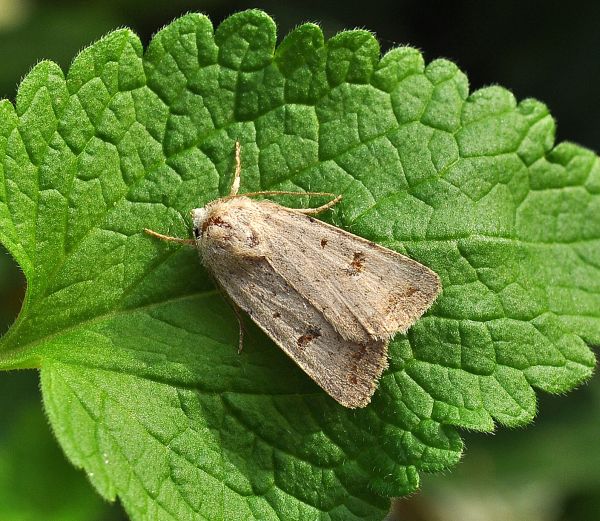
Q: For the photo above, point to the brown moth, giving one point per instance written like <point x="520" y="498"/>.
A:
<point x="329" y="299"/>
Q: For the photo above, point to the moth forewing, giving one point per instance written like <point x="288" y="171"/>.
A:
<point x="347" y="371"/>
<point x="330" y="299"/>
<point x="365" y="290"/>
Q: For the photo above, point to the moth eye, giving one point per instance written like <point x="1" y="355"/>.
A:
<point x="197" y="233"/>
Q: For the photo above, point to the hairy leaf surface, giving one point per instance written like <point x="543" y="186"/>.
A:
<point x="138" y="352"/>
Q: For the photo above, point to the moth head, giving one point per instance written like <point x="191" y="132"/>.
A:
<point x="199" y="217"/>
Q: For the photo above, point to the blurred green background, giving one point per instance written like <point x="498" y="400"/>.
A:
<point x="549" y="471"/>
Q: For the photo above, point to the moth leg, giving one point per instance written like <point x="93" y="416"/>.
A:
<point x="235" y="186"/>
<point x="240" y="319"/>
<point x="168" y="238"/>
<point x="320" y="209"/>
<point x="236" y="309"/>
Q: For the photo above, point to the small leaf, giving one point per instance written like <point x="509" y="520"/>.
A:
<point x="140" y="373"/>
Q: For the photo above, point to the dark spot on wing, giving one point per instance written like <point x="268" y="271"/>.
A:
<point x="312" y="219"/>
<point x="253" y="241"/>
<point x="358" y="260"/>
<point x="396" y="301"/>
<point x="308" y="337"/>
<point x="277" y="314"/>
<point x="197" y="233"/>
<point x="357" y="264"/>
<point x="324" y="243"/>
<point x="215" y="220"/>
<point x="358" y="355"/>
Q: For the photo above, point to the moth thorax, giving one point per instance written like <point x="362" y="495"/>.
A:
<point x="225" y="226"/>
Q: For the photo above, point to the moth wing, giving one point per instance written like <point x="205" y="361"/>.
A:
<point x="348" y="371"/>
<point x="365" y="290"/>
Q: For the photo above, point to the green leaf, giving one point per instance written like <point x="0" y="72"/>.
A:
<point x="546" y="472"/>
<point x="140" y="373"/>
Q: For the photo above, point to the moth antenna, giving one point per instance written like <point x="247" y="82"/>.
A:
<point x="235" y="186"/>
<point x="278" y="192"/>
<point x="169" y="238"/>
<point x="322" y="208"/>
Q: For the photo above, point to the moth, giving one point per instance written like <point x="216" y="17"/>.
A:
<point x="329" y="299"/>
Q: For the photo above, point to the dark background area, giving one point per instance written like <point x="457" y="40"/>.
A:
<point x="549" y="471"/>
